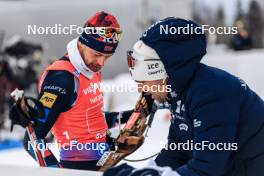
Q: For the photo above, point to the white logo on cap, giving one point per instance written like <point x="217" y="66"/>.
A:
<point x="153" y="66"/>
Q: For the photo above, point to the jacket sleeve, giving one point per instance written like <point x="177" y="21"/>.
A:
<point x="56" y="95"/>
<point x="215" y="115"/>
<point x="59" y="86"/>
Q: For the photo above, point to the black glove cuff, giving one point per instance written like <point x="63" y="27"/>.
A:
<point x="18" y="117"/>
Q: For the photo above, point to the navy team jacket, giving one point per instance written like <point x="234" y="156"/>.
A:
<point x="207" y="104"/>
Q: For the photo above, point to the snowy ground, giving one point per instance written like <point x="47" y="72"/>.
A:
<point x="12" y="170"/>
<point x="248" y="65"/>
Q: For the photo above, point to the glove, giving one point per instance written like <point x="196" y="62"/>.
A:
<point x="150" y="170"/>
<point x="121" y="170"/>
<point x="147" y="102"/>
<point x="17" y="117"/>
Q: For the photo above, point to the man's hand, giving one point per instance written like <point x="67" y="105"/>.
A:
<point x="34" y="110"/>
<point x="145" y="102"/>
<point x="18" y="117"/>
<point x="150" y="170"/>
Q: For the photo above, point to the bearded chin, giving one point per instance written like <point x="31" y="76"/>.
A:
<point x="94" y="68"/>
<point x="159" y="98"/>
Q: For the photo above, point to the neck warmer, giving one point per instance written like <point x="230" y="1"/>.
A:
<point x="77" y="60"/>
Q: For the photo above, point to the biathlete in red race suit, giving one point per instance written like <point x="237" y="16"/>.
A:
<point x="73" y="102"/>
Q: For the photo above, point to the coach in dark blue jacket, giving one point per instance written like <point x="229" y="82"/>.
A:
<point x="213" y="112"/>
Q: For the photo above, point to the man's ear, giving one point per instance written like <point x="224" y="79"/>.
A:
<point x="80" y="46"/>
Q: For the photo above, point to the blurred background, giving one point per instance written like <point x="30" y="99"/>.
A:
<point x="23" y="55"/>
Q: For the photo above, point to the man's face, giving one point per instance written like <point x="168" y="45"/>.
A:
<point x="93" y="60"/>
<point x="158" y="89"/>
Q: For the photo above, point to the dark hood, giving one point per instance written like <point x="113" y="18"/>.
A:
<point x="180" y="53"/>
